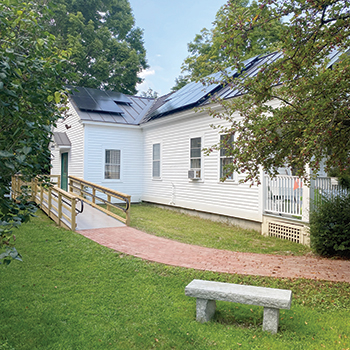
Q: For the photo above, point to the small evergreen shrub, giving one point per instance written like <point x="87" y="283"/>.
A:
<point x="330" y="226"/>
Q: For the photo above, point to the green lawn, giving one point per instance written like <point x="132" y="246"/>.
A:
<point x="206" y="233"/>
<point x="71" y="293"/>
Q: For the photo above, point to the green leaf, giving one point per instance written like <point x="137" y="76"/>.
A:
<point x="27" y="150"/>
<point x="6" y="154"/>
<point x="41" y="42"/>
<point x="57" y="97"/>
<point x="10" y="93"/>
<point x="21" y="158"/>
<point x="9" y="165"/>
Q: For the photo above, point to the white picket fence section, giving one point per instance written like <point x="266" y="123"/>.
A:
<point x="325" y="187"/>
<point x="284" y="195"/>
<point x="289" y="196"/>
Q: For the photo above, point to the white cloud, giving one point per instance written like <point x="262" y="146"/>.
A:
<point x="144" y="86"/>
<point x="147" y="72"/>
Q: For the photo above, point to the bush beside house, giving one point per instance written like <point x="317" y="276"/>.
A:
<point x="330" y="227"/>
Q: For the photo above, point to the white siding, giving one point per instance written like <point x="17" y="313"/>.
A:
<point x="127" y="139"/>
<point x="174" y="187"/>
<point x="75" y="133"/>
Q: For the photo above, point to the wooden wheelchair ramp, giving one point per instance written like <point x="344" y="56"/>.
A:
<point x="92" y="218"/>
<point x="86" y="205"/>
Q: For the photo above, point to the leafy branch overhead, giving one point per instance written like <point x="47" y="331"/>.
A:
<point x="32" y="71"/>
<point x="209" y="51"/>
<point x="107" y="49"/>
<point x="295" y="111"/>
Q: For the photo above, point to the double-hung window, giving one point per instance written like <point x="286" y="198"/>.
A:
<point x="195" y="154"/>
<point x="226" y="142"/>
<point x="156" y="161"/>
<point x="112" y="164"/>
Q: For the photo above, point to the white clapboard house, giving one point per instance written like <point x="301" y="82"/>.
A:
<point x="151" y="149"/>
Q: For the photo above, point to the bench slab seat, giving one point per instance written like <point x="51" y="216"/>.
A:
<point x="207" y="292"/>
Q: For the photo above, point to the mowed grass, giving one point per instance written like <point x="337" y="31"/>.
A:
<point x="71" y="293"/>
<point x="194" y="230"/>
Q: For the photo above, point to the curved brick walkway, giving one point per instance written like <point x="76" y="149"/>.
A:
<point x="134" y="242"/>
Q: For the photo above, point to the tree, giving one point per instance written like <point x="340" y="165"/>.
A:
<point x="31" y="73"/>
<point x="180" y="82"/>
<point x="311" y="125"/>
<point x="107" y="48"/>
<point x="150" y="93"/>
<point x="208" y="51"/>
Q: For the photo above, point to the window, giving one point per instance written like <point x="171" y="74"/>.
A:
<point x="112" y="164"/>
<point x="156" y="160"/>
<point x="224" y="159"/>
<point x="195" y="154"/>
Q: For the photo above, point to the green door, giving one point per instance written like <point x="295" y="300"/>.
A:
<point x="64" y="171"/>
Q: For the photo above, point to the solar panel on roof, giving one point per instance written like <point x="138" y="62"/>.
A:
<point x="109" y="106"/>
<point x="188" y="95"/>
<point x="118" y="97"/>
<point x="85" y="103"/>
<point x="94" y="100"/>
<point x="193" y="92"/>
<point x="253" y="66"/>
<point x="96" y="94"/>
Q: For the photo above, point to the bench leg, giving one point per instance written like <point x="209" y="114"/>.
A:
<point x="271" y="320"/>
<point x="205" y="309"/>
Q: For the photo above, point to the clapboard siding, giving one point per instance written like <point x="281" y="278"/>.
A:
<point x="75" y="133"/>
<point x="129" y="141"/>
<point x="174" y="187"/>
<point x="87" y="159"/>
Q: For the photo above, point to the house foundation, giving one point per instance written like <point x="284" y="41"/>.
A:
<point x="286" y="228"/>
<point x="229" y="220"/>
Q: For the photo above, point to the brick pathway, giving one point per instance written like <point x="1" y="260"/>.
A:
<point x="134" y="242"/>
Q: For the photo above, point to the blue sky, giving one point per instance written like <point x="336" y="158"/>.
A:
<point x="168" y="27"/>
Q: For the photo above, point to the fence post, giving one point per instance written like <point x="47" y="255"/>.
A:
<point x="70" y="185"/>
<point x="59" y="208"/>
<point x="41" y="195"/>
<point x="49" y="202"/>
<point x="18" y="187"/>
<point x="32" y="185"/>
<point x="306" y="203"/>
<point x="108" y="200"/>
<point x="127" y="222"/>
<point x="93" y="195"/>
<point x="35" y="189"/>
<point x="73" y="219"/>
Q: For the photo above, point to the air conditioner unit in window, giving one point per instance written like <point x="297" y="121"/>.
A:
<point x="194" y="174"/>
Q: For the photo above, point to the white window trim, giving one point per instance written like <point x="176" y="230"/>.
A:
<point x="194" y="136"/>
<point x="234" y="180"/>
<point x="104" y="149"/>
<point x="156" y="178"/>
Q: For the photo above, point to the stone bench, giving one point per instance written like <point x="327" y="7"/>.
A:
<point x="207" y="292"/>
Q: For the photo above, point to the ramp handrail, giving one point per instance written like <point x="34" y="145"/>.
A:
<point x="58" y="204"/>
<point x="100" y="194"/>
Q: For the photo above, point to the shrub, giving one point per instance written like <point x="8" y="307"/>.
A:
<point x="330" y="226"/>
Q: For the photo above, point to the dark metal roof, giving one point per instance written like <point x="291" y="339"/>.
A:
<point x="253" y="70"/>
<point x="61" y="139"/>
<point x="130" y="112"/>
<point x="230" y="92"/>
<point x="195" y="93"/>
<point x="114" y="107"/>
<point x="96" y="100"/>
<point x="157" y="104"/>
